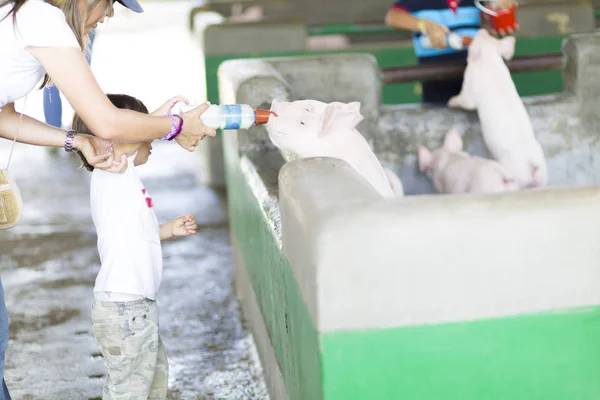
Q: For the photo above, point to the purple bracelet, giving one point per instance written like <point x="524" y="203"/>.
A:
<point x="175" y="128"/>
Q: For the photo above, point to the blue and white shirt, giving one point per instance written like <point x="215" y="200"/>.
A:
<point x="459" y="16"/>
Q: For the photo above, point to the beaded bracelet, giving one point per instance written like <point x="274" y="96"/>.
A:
<point x="175" y="128"/>
<point x="421" y="26"/>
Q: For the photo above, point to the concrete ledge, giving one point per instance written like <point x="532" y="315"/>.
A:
<point x="251" y="37"/>
<point x="455" y="258"/>
<point x="312" y="12"/>
<point x="255" y="82"/>
<point x="305" y="213"/>
<point x="555" y="18"/>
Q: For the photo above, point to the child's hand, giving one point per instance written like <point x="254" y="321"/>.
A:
<point x="168" y="106"/>
<point x="184" y="226"/>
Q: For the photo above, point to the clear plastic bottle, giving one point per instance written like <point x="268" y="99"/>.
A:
<point x="453" y="40"/>
<point x="234" y="116"/>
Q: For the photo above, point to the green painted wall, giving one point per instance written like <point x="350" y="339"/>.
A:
<point x="528" y="84"/>
<point x="551" y="356"/>
<point x="386" y="56"/>
<point x="291" y="330"/>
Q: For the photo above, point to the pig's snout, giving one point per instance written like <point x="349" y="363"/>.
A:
<point x="510" y="184"/>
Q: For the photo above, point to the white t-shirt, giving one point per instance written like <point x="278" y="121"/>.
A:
<point x="39" y="24"/>
<point x="128" y="234"/>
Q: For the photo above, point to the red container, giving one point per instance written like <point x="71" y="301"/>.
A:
<point x="504" y="22"/>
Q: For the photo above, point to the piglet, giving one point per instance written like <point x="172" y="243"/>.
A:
<point x="454" y="171"/>
<point x="310" y="128"/>
<point x="507" y="130"/>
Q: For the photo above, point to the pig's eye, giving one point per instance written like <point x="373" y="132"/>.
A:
<point x="302" y="123"/>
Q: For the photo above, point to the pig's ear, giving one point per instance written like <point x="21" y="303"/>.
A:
<point x="506" y="47"/>
<point x="329" y="115"/>
<point x="425" y="159"/>
<point x="453" y="142"/>
<point x="274" y="104"/>
<point x="340" y="115"/>
<point x="354" y="116"/>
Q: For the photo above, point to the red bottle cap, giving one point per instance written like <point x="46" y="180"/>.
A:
<point x="262" y="116"/>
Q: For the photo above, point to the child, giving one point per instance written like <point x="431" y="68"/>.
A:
<point x="436" y="18"/>
<point x="124" y="313"/>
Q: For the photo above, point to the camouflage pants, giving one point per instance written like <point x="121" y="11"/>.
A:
<point x="134" y="355"/>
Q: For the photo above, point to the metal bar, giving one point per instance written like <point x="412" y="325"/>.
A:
<point x="450" y="70"/>
<point x="348" y="29"/>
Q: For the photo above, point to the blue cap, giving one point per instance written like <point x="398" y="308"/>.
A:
<point x="133" y="5"/>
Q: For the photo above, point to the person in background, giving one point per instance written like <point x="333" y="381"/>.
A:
<point x="436" y="19"/>
<point x="52" y="100"/>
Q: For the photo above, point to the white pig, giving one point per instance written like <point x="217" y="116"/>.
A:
<point x="310" y="128"/>
<point x="455" y="171"/>
<point x="507" y="130"/>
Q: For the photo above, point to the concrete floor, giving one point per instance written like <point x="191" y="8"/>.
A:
<point x="49" y="261"/>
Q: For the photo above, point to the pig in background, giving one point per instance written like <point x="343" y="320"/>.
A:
<point x="507" y="131"/>
<point x="310" y="128"/>
<point x="455" y="171"/>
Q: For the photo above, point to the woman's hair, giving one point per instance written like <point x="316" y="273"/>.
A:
<point x="120" y="101"/>
<point x="72" y="15"/>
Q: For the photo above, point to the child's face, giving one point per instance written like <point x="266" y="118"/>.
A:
<point x="143" y="153"/>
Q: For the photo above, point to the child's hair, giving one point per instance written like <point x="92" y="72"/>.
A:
<point x="120" y="101"/>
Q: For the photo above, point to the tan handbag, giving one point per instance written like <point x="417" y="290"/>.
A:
<point x="11" y="202"/>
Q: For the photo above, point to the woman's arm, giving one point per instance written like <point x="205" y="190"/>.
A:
<point x="73" y="77"/>
<point x="30" y="131"/>
<point x="97" y="151"/>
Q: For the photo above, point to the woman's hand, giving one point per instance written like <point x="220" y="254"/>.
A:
<point x="168" y="106"/>
<point x="193" y="129"/>
<point x="99" y="153"/>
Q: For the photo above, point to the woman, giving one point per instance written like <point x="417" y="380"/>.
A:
<point x="52" y="39"/>
<point x="47" y="40"/>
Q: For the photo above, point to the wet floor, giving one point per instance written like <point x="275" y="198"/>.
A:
<point x="49" y="261"/>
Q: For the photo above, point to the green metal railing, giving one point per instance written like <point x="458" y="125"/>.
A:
<point x="400" y="53"/>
